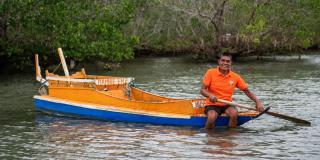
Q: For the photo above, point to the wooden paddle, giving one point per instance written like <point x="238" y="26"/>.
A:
<point x="289" y="118"/>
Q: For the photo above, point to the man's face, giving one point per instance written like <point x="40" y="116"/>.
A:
<point x="225" y="63"/>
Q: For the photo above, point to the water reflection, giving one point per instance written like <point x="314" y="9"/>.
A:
<point x="96" y="139"/>
<point x="78" y="137"/>
<point x="223" y="142"/>
<point x="115" y="139"/>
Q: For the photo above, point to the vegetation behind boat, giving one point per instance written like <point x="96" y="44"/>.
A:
<point x="112" y="30"/>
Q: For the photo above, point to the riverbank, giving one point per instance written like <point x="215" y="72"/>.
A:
<point x="189" y="56"/>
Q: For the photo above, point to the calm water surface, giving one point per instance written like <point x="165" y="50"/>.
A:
<point x="288" y="85"/>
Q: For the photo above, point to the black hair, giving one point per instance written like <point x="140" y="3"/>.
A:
<point x="225" y="54"/>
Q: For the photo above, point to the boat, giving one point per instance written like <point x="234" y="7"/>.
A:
<point x="112" y="98"/>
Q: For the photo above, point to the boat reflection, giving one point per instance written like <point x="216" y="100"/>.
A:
<point x="117" y="139"/>
<point x="222" y="142"/>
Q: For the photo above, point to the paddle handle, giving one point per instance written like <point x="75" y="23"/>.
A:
<point x="236" y="104"/>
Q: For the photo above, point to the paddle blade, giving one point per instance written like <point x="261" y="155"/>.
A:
<point x="292" y="119"/>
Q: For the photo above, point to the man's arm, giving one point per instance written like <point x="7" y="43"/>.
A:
<point x="204" y="91"/>
<point x="259" y="106"/>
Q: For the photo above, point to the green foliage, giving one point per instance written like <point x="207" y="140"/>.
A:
<point x="111" y="29"/>
<point x="253" y="25"/>
<point x="84" y="29"/>
<point x="254" y="30"/>
<point x="284" y="24"/>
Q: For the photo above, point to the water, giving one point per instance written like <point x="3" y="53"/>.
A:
<point x="288" y="85"/>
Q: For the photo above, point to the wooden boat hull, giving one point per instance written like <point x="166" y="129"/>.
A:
<point x="109" y="113"/>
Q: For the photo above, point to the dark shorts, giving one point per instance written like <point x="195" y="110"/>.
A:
<point x="218" y="109"/>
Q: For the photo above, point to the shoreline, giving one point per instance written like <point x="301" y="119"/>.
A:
<point x="107" y="65"/>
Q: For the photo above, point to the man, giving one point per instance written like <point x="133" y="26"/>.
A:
<point x="219" y="83"/>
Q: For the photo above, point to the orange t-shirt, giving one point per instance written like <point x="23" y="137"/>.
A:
<point x="222" y="86"/>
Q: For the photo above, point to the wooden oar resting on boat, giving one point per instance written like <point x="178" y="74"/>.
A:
<point x="113" y="98"/>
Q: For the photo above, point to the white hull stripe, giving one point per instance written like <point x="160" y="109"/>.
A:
<point x="111" y="108"/>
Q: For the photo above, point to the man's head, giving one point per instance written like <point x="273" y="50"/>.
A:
<point x="225" y="61"/>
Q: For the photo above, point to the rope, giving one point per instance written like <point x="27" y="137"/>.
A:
<point x="128" y="88"/>
<point x="132" y="84"/>
<point x="56" y="68"/>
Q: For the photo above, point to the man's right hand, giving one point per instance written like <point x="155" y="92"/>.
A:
<point x="212" y="98"/>
<point x="259" y="107"/>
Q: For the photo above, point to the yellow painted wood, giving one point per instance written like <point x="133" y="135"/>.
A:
<point x="111" y="108"/>
<point x="63" y="62"/>
<point x="148" y="97"/>
<point x="38" y="72"/>
<point x="79" y="74"/>
<point x="116" y="96"/>
<point x="90" y="95"/>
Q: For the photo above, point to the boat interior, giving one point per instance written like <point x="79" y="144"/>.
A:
<point x="114" y="86"/>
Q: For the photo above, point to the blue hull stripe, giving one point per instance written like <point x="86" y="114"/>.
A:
<point x="68" y="109"/>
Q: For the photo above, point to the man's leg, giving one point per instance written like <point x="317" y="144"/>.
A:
<point x="232" y="112"/>
<point x="212" y="116"/>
